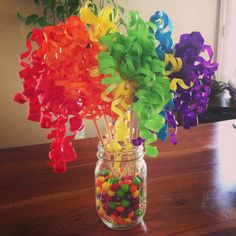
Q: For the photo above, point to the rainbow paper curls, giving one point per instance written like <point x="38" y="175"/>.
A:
<point x="84" y="68"/>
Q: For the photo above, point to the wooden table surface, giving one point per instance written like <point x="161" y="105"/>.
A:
<point x="191" y="189"/>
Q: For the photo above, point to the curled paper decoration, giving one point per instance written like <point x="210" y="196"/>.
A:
<point x="122" y="97"/>
<point x="47" y="104"/>
<point x="134" y="58"/>
<point x="196" y="71"/>
<point x="101" y="24"/>
<point x="62" y="84"/>
<point x="162" y="30"/>
<point x="72" y="58"/>
<point x="162" y="27"/>
<point x="84" y="68"/>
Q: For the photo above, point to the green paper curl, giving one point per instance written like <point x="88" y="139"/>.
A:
<point x="134" y="57"/>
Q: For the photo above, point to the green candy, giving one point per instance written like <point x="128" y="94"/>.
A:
<point x="125" y="188"/>
<point x="138" y="212"/>
<point x="136" y="181"/>
<point x="125" y="203"/>
<point x="113" y="180"/>
<point x="105" y="172"/>
<point x="119" y="193"/>
<point x="112" y="205"/>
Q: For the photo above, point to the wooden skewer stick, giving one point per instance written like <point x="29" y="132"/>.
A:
<point x="131" y="125"/>
<point x="98" y="132"/>
<point x="136" y="132"/>
<point x="108" y="129"/>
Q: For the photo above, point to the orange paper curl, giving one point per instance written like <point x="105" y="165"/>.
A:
<point x="62" y="84"/>
<point x="72" y="56"/>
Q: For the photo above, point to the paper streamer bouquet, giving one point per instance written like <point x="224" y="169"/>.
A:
<point x="196" y="71"/>
<point x="85" y="68"/>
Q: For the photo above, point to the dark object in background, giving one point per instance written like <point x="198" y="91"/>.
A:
<point x="232" y="89"/>
<point x="218" y="87"/>
<point x="221" y="106"/>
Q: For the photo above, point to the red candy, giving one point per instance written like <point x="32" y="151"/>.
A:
<point x="131" y="214"/>
<point x="120" y="183"/>
<point x="133" y="188"/>
<point x="127" y="181"/>
<point x="120" y="209"/>
<point x="114" y="187"/>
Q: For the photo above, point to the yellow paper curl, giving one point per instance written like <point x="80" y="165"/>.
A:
<point x="176" y="63"/>
<point x="123" y="96"/>
<point x="180" y="82"/>
<point x="101" y="24"/>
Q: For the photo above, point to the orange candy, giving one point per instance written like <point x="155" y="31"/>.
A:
<point x="127" y="220"/>
<point x="100" y="181"/>
<point x="101" y="212"/>
<point x="111" y="193"/>
<point x="98" y="190"/>
<point x="136" y="194"/>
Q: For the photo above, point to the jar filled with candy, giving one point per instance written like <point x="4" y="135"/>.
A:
<point x="120" y="181"/>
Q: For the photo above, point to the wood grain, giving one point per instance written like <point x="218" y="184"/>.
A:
<point x="191" y="189"/>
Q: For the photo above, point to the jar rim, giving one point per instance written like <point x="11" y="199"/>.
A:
<point x="133" y="153"/>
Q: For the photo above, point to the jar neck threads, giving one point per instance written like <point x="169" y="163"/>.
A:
<point x="125" y="154"/>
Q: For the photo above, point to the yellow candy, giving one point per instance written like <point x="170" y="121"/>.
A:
<point x="136" y="194"/>
<point x="100" y="178"/>
<point x="98" y="190"/>
<point x="111" y="193"/>
<point x="127" y="220"/>
<point x="98" y="203"/>
<point x="105" y="186"/>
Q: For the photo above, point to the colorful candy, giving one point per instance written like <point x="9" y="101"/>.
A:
<point x="125" y="188"/>
<point x="122" y="200"/>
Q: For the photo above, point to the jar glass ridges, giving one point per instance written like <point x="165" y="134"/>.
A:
<point x="120" y="180"/>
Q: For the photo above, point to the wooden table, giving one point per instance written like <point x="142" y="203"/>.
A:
<point x="191" y="189"/>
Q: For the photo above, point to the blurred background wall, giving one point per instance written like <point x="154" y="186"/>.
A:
<point x="15" y="130"/>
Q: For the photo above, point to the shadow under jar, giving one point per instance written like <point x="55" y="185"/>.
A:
<point x="121" y="187"/>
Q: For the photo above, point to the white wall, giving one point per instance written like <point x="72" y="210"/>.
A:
<point x="227" y="46"/>
<point x="15" y="130"/>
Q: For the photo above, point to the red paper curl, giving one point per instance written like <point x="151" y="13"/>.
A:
<point x="60" y="85"/>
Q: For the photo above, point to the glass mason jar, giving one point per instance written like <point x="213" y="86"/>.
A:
<point x="121" y="187"/>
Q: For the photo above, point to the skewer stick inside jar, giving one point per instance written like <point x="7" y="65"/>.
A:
<point x="98" y="132"/>
<point x="108" y="129"/>
<point x="131" y="125"/>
